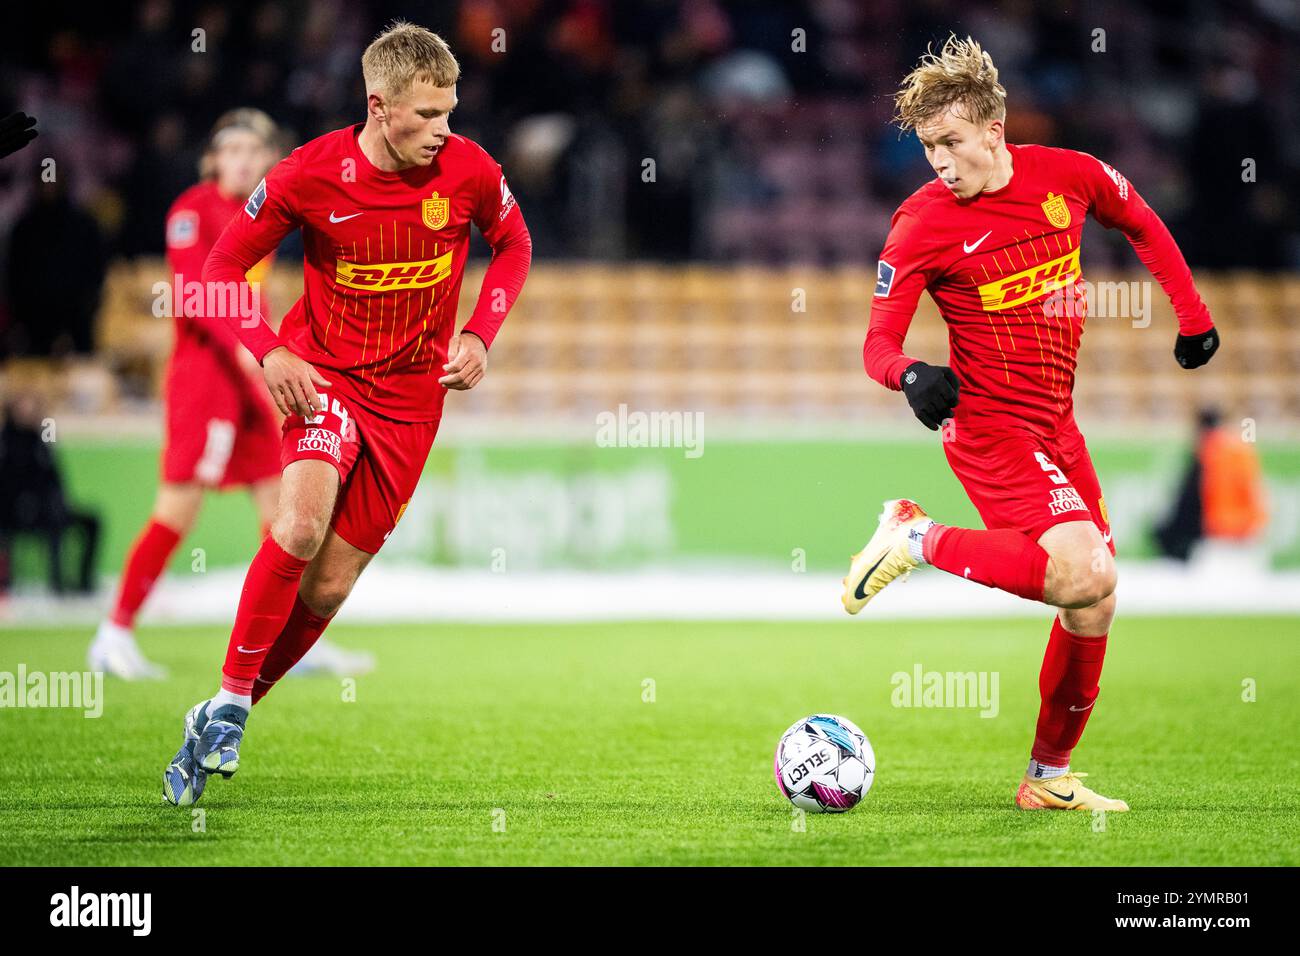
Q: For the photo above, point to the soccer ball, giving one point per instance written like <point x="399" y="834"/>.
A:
<point x="824" y="764"/>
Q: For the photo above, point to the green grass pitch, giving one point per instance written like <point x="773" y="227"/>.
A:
<point x="548" y="730"/>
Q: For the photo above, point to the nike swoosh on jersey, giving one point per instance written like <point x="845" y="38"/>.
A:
<point x="972" y="246"/>
<point x="333" y="218"/>
<point x="1080" y="710"/>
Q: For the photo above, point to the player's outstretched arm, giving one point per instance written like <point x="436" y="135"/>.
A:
<point x="242" y="245"/>
<point x="1116" y="204"/>
<point x="512" y="254"/>
<point x="905" y="266"/>
<point x="501" y="222"/>
<point x="187" y="253"/>
<point x="270" y="214"/>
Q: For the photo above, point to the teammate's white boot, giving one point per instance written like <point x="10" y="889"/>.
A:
<point x="327" y="658"/>
<point x="114" y="651"/>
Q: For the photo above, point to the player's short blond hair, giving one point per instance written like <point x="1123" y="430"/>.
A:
<point x="404" y="53"/>
<point x="962" y="74"/>
<point x="243" y="118"/>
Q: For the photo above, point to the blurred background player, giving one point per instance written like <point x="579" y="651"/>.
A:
<point x="995" y="240"/>
<point x="363" y="361"/>
<point x="221" y="430"/>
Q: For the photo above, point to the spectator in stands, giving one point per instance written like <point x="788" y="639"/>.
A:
<point x="56" y="267"/>
<point x="32" y="499"/>
<point x="615" y="84"/>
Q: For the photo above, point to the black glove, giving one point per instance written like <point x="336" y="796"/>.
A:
<point x="1193" y="351"/>
<point x="16" y="132"/>
<point x="931" y="390"/>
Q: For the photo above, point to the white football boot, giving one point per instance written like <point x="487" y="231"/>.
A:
<point x="327" y="658"/>
<point x="887" y="556"/>
<point x="114" y="651"/>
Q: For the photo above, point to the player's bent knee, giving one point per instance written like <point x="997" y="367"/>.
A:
<point x="300" y="534"/>
<point x="1093" y="621"/>
<point x="1090" y="590"/>
<point x="324" y="596"/>
<point x="1080" y="576"/>
<point x="1099" y="586"/>
<point x="1083" y="585"/>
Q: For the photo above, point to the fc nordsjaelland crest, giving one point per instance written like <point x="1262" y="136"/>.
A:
<point x="436" y="210"/>
<point x="1058" y="213"/>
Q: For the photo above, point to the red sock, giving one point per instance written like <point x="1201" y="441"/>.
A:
<point x="1002" y="558"/>
<point x="269" y="591"/>
<point x="1068" y="685"/>
<point x="149" y="555"/>
<point x="300" y="633"/>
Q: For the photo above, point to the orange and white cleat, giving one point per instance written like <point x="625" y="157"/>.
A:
<point x="1063" y="793"/>
<point x="887" y="556"/>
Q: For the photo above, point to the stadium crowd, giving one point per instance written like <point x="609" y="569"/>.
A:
<point x="766" y="121"/>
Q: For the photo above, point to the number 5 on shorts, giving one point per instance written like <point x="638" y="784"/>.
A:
<point x="1055" y="473"/>
<point x="334" y="406"/>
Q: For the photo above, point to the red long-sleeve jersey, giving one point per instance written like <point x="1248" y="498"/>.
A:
<point x="383" y="255"/>
<point x="195" y="222"/>
<point x="997" y="266"/>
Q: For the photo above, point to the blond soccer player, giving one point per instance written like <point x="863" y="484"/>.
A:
<point x="995" y="239"/>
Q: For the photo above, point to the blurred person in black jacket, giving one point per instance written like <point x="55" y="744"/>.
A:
<point x="32" y="499"/>
<point x="57" y="261"/>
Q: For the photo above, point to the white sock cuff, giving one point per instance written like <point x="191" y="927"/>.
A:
<point x="223" y="697"/>
<point x="915" y="542"/>
<point x="1041" y="771"/>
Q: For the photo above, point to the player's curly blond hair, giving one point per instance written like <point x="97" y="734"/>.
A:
<point x="403" y="53"/>
<point x="960" y="74"/>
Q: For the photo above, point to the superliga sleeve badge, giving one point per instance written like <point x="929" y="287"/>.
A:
<point x="884" y="278"/>
<point x="254" y="204"/>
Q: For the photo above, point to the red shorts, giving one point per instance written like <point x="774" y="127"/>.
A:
<point x="379" y="462"/>
<point x="1018" y="479"/>
<point x="221" y="428"/>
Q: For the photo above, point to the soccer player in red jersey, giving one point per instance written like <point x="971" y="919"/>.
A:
<point x="221" y="431"/>
<point x="995" y="241"/>
<point x="362" y="362"/>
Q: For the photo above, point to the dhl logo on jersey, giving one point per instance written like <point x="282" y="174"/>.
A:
<point x="1013" y="290"/>
<point x="391" y="276"/>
